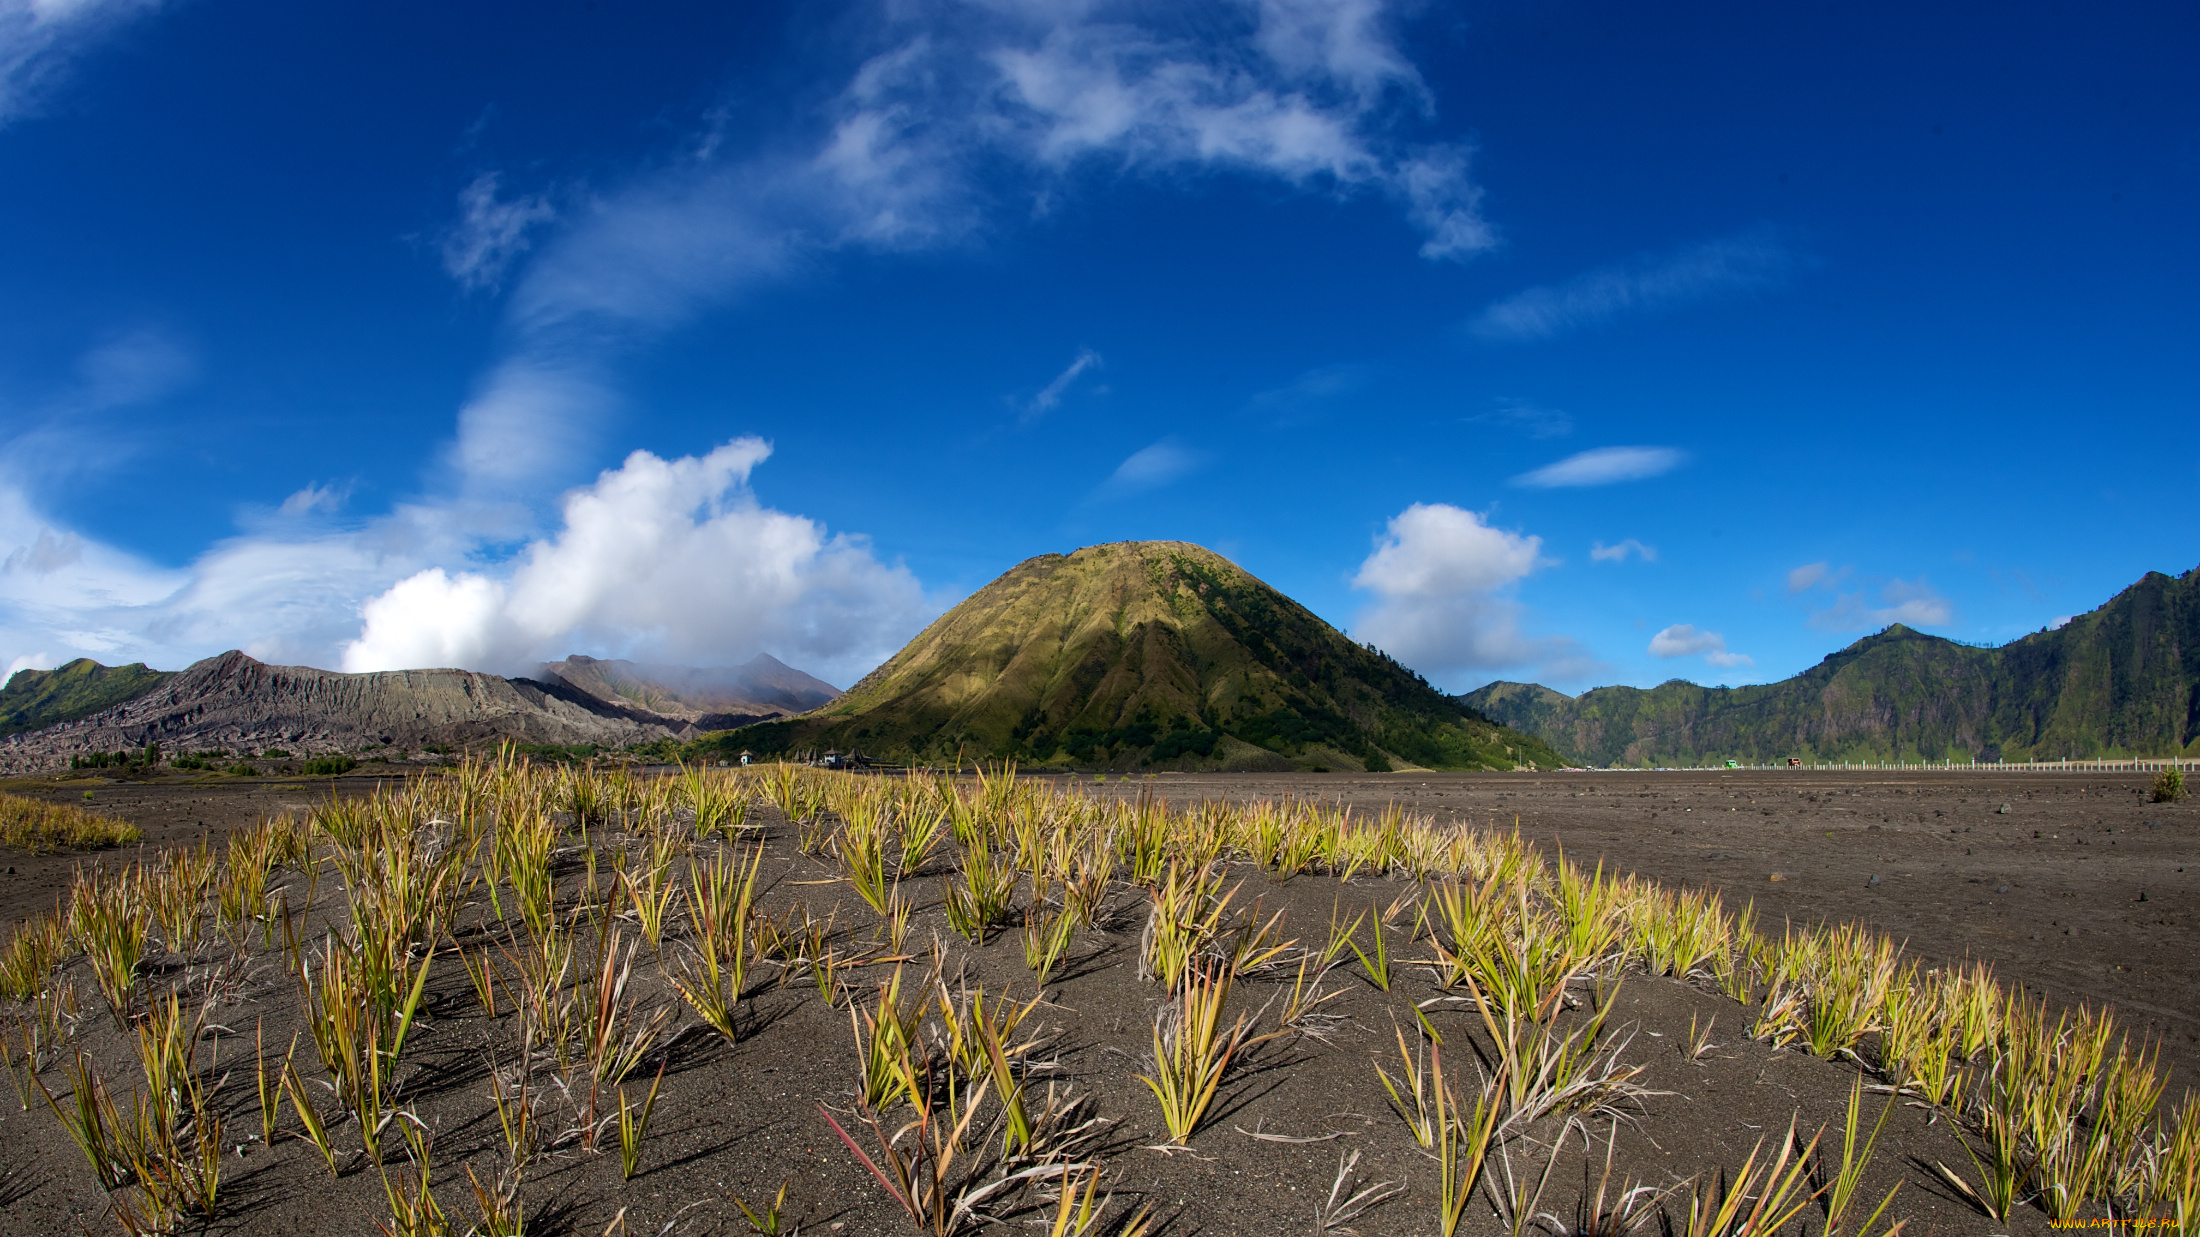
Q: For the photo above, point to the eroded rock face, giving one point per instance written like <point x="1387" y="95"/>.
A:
<point x="233" y="701"/>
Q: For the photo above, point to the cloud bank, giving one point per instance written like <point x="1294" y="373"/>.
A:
<point x="674" y="560"/>
<point x="1442" y="577"/>
<point x="664" y="559"/>
<point x="1728" y="266"/>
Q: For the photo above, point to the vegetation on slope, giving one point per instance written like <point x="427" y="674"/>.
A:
<point x="36" y="699"/>
<point x="2122" y="680"/>
<point x="1143" y="653"/>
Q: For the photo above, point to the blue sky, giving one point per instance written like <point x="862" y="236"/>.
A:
<point x="1570" y="342"/>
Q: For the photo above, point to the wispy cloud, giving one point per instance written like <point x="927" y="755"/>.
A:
<point x="1604" y="466"/>
<point x="1442" y="578"/>
<point x="1602" y="553"/>
<point x="491" y="232"/>
<point x="1150" y="468"/>
<point x="1913" y="603"/>
<point x="39" y="39"/>
<point x="968" y="115"/>
<point x="1684" y="640"/>
<point x="1051" y="394"/>
<point x="1527" y="418"/>
<point x="1744" y="262"/>
<point x="1807" y="575"/>
<point x="1311" y="393"/>
<point x="314" y="499"/>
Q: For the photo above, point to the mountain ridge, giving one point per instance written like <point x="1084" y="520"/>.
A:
<point x="2121" y="679"/>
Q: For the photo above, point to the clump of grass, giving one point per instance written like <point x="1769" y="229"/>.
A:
<point x="42" y="828"/>
<point x="1192" y="1051"/>
<point x="2169" y="787"/>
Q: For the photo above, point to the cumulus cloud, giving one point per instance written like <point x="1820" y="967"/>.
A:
<point x="666" y="559"/>
<point x="28" y="661"/>
<point x="1727" y="266"/>
<point x="1051" y="394"/>
<point x="1807" y="575"/>
<point x="1912" y="603"/>
<point x="1683" y="640"/>
<point x="491" y="231"/>
<point x="2059" y="622"/>
<point x="1604" y="466"/>
<point x="1602" y="553"/>
<point x="39" y="39"/>
<point x="1442" y="577"/>
<point x="669" y="559"/>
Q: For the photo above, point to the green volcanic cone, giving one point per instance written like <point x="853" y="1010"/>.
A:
<point x="1144" y="654"/>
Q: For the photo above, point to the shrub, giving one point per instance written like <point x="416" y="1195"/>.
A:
<point x="329" y="766"/>
<point x="242" y="769"/>
<point x="2169" y="786"/>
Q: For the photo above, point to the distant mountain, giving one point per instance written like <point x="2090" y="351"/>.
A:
<point x="36" y="699"/>
<point x="713" y="699"/>
<point x="2121" y="680"/>
<point x="1136" y="654"/>
<point x="234" y="702"/>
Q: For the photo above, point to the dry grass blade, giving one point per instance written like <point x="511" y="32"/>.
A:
<point x="1348" y="1200"/>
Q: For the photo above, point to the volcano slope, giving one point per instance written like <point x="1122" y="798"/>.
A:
<point x="1145" y="654"/>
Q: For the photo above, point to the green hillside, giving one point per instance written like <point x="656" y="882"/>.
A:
<point x="35" y="699"/>
<point x="1138" y="655"/>
<point x="2123" y="680"/>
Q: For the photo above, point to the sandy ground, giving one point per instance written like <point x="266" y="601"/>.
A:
<point x="2072" y="885"/>
<point x="1957" y="877"/>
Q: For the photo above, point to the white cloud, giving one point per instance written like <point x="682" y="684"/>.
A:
<point x="1441" y="577"/>
<point x="1683" y="640"/>
<point x="313" y="498"/>
<point x="1602" y="553"/>
<point x="669" y="559"/>
<point x="1911" y="603"/>
<point x="1806" y="575"/>
<point x="1733" y="264"/>
<point x="1150" y="468"/>
<point x="28" y="661"/>
<point x="1051" y="394"/>
<point x="49" y="553"/>
<point x="674" y="560"/>
<point x="1604" y="466"/>
<point x="38" y="39"/>
<point x="491" y="232"/>
<point x="2060" y="621"/>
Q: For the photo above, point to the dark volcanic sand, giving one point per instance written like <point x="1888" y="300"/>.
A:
<point x="741" y="1118"/>
<point x="2099" y="905"/>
